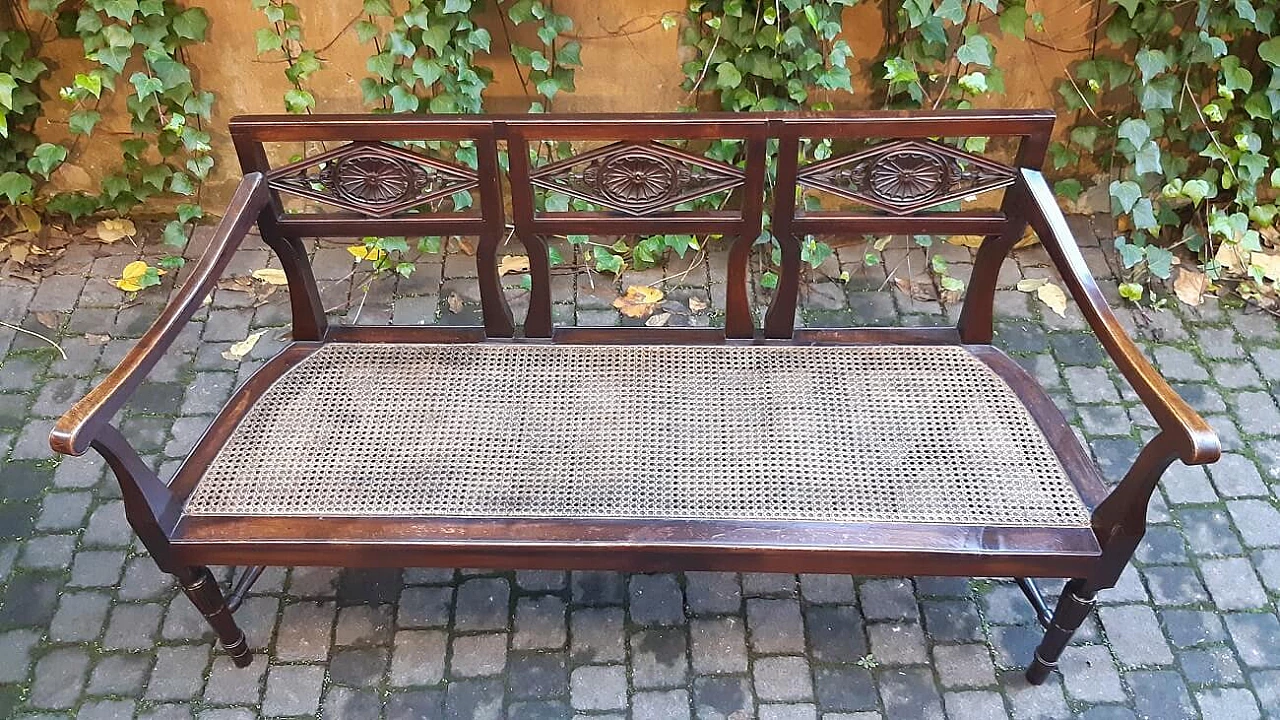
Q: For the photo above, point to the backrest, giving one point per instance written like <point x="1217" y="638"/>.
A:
<point x="633" y="182"/>
<point x="897" y="174"/>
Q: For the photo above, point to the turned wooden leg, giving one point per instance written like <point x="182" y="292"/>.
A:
<point x="202" y="589"/>
<point x="1073" y="607"/>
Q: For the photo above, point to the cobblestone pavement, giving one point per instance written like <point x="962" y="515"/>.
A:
<point x="89" y="628"/>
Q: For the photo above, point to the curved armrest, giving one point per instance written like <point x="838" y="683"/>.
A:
<point x="75" y="431"/>
<point x="1195" y="442"/>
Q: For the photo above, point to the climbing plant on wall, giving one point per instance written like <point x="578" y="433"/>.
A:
<point x="1179" y="110"/>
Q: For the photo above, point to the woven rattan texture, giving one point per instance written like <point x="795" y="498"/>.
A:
<point x="843" y="434"/>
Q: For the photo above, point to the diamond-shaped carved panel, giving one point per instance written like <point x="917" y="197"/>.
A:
<point x="906" y="176"/>
<point x="372" y="178"/>
<point x="637" y="178"/>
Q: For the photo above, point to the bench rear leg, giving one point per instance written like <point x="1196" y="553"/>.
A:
<point x="1074" y="605"/>
<point x="202" y="589"/>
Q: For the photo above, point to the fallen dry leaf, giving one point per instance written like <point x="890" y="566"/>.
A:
<point x="466" y="246"/>
<point x="50" y="320"/>
<point x="1190" y="286"/>
<point x="1230" y="257"/>
<point x="1052" y="296"/>
<point x="93" y="339"/>
<point x="238" y="351"/>
<point x="454" y="302"/>
<point x="19" y="252"/>
<point x="1268" y="264"/>
<point x="271" y="276"/>
<point x="115" y="229"/>
<point x="639" y="301"/>
<point x="1030" y="284"/>
<point x="697" y="304"/>
<point x="513" y="264"/>
<point x="658" y="320"/>
<point x="969" y="241"/>
<point x="239" y="283"/>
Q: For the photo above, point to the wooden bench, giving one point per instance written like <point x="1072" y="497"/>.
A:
<point x="758" y="446"/>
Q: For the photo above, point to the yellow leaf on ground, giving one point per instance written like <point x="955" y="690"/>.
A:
<point x="19" y="252"/>
<point x="513" y="264"/>
<point x="363" y="253"/>
<point x="969" y="241"/>
<point x="639" y="301"/>
<point x="1190" y="285"/>
<point x="134" y="270"/>
<point x="239" y="350"/>
<point x="271" y="276"/>
<point x="127" y="285"/>
<point x="1030" y="284"/>
<point x="1269" y="264"/>
<point x="115" y="229"/>
<point x="1230" y="257"/>
<point x="1052" y="296"/>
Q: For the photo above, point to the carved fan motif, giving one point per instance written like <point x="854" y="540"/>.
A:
<point x="906" y="176"/>
<point x="637" y="178"/>
<point x="373" y="179"/>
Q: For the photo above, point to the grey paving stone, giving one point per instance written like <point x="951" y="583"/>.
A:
<point x="120" y="674"/>
<point x="1175" y="585"/>
<point x="107" y="710"/>
<point x="1090" y="385"/>
<point x="1254" y="636"/>
<point x="775" y="625"/>
<point x="782" y="678"/>
<point x="835" y="633"/>
<point x="1233" y="584"/>
<point x="463" y="700"/>
<point x="1236" y="476"/>
<point x="844" y="687"/>
<point x="542" y="580"/>
<point x="47" y="552"/>
<point x="1159" y="694"/>
<point x="1210" y="666"/>
<point x="80" y="617"/>
<point x="16" y="646"/>
<point x="1187" y="485"/>
<point x="364" y="625"/>
<point x="1004" y="604"/>
<point x="132" y="626"/>
<point x="656" y="600"/>
<point x="144" y="581"/>
<point x="63" y="510"/>
<point x="597" y="635"/>
<point x="964" y="665"/>
<point x="292" y="690"/>
<point x="660" y="705"/>
<point x="343" y="703"/>
<point x="888" y="599"/>
<point x="178" y="673"/>
<point x="897" y="643"/>
<point x="718" y="645"/>
<point x="659" y="657"/>
<point x="1267" y="563"/>
<point x="358" y="667"/>
<point x="1228" y="704"/>
<point x="305" y="629"/>
<point x="597" y="588"/>
<point x="1266" y="686"/>
<point x="1162" y="545"/>
<point x="1135" y="635"/>
<point x="1258" y="522"/>
<point x="418" y="657"/>
<point x="973" y="705"/>
<point x="598" y="687"/>
<point x="482" y="604"/>
<point x="710" y="593"/>
<point x="538" y="674"/>
<point x="1090" y="675"/>
<point x="769" y="585"/>
<point x="719" y="698"/>
<point x="952" y="620"/>
<point x="58" y="678"/>
<point x="424" y="607"/>
<point x="788" y="711"/>
<point x="1034" y="701"/>
<point x="540" y="623"/>
<point x="827" y="588"/>
<point x="107" y="526"/>
<point x="475" y="655"/>
<point x="910" y="693"/>
<point x="230" y="685"/>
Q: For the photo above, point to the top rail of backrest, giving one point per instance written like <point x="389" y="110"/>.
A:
<point x="375" y="188"/>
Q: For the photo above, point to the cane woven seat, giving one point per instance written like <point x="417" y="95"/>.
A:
<point x="863" y="434"/>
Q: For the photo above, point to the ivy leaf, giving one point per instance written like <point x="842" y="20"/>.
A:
<point x="1069" y="188"/>
<point x="81" y="122"/>
<point x="191" y="24"/>
<point x="1147" y="159"/>
<point x="1137" y="132"/>
<point x="1246" y="12"/>
<point x="1130" y="6"/>
<point x="1196" y="190"/>
<point x="7" y="86"/>
<point x="1235" y="77"/>
<point x="145" y="84"/>
<point x="727" y="76"/>
<point x="1159" y="262"/>
<point x="950" y="10"/>
<point x="1144" y="216"/>
<point x="298" y="101"/>
<point x="113" y="57"/>
<point x="1130" y="254"/>
<point x="14" y="186"/>
<point x="381" y="65"/>
<point x="1013" y="21"/>
<point x="1125" y="194"/>
<point x="1151" y="63"/>
<point x="402" y="100"/>
<point x="1270" y="51"/>
<point x="267" y="40"/>
<point x="45" y="158"/>
<point x="91" y="83"/>
<point x="120" y="9"/>
<point x="377" y="7"/>
<point x="174" y="234"/>
<point x="975" y="51"/>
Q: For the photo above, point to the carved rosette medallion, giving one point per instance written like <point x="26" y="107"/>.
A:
<point x="373" y="179"/>
<point x="637" y="178"/>
<point x="906" y="176"/>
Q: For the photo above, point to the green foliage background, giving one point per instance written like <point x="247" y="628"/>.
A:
<point x="1176" y="108"/>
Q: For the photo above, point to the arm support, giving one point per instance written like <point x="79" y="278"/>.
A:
<point x="1184" y="432"/>
<point x="77" y="430"/>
